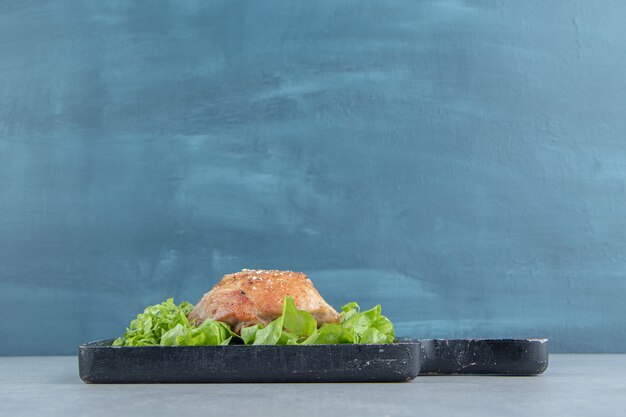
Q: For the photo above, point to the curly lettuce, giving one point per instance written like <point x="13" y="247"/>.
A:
<point x="166" y="324"/>
<point x="297" y="327"/>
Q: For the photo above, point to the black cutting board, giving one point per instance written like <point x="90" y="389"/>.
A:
<point x="99" y="362"/>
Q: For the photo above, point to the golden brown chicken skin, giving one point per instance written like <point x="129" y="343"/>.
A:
<point x="252" y="296"/>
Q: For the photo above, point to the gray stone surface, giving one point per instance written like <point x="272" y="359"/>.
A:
<point x="573" y="385"/>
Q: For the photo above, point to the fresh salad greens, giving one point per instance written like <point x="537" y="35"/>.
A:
<point x="166" y="324"/>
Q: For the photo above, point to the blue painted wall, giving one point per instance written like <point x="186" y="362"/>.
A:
<point x="462" y="163"/>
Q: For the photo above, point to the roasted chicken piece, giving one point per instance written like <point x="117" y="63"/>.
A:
<point x="251" y="296"/>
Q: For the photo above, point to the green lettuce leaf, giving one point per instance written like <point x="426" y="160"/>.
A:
<point x="209" y="333"/>
<point x="270" y="334"/>
<point x="328" y="334"/>
<point x="248" y="334"/>
<point x="292" y="326"/>
<point x="365" y="327"/>
<point x="149" y="327"/>
<point x="298" y="324"/>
